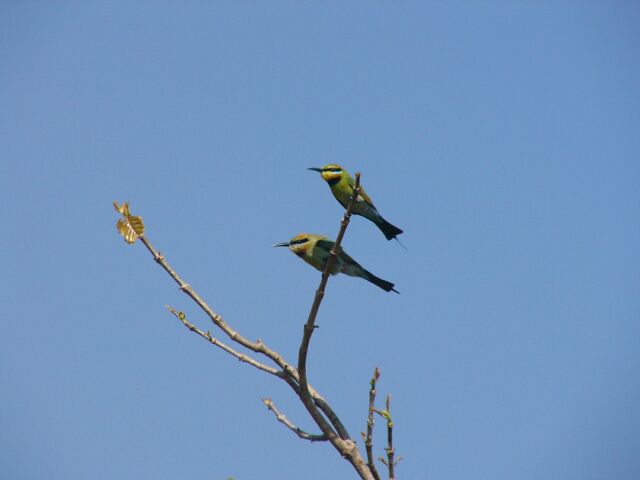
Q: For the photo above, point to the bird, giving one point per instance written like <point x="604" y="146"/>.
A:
<point x="341" y="184"/>
<point x="315" y="249"/>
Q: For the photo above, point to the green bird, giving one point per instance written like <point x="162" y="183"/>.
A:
<point x="315" y="249"/>
<point x="341" y="184"/>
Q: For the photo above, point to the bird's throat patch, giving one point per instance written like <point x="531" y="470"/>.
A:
<point x="333" y="181"/>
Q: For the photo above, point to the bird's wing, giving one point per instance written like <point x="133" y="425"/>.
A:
<point x="348" y="259"/>
<point x="325" y="245"/>
<point x="321" y="254"/>
<point x="351" y="267"/>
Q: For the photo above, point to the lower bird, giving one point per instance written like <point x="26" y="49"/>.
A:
<point x="315" y="249"/>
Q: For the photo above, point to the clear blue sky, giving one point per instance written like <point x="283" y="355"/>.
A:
<point x="503" y="137"/>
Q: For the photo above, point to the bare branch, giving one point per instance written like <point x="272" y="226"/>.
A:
<point x="389" y="449"/>
<point x="390" y="462"/>
<point x="368" y="442"/>
<point x="214" y="341"/>
<point x="295" y="429"/>
<point x="331" y="415"/>
<point x="322" y="404"/>
<point x="258" y="347"/>
<point x="341" y="441"/>
<point x="310" y="325"/>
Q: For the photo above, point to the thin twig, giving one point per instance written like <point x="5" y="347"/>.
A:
<point x="368" y="442"/>
<point x="214" y="341"/>
<point x="389" y="449"/>
<point x="291" y="426"/>
<point x="390" y="462"/>
<point x="258" y="347"/>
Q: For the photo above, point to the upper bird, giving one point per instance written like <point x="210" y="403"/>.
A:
<point x="341" y="184"/>
<point x="315" y="249"/>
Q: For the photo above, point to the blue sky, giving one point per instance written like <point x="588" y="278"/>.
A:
<point x="501" y="136"/>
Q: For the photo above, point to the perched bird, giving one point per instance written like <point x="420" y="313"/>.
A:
<point x="315" y="249"/>
<point x="341" y="185"/>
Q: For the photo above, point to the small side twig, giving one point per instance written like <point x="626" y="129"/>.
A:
<point x="389" y="449"/>
<point x="368" y="440"/>
<point x="291" y="426"/>
<point x="258" y="347"/>
<point x="214" y="341"/>
<point x="390" y="461"/>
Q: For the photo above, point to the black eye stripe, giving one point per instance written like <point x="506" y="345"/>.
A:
<point x="333" y="170"/>
<point x="298" y="242"/>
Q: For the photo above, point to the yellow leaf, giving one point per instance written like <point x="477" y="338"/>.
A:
<point x="129" y="226"/>
<point x="123" y="209"/>
<point x="136" y="224"/>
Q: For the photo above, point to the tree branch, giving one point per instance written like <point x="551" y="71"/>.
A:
<point x="390" y="462"/>
<point x="214" y="341"/>
<point x="331" y="415"/>
<point x="258" y="347"/>
<point x="322" y="404"/>
<point x="390" y="451"/>
<point x="343" y="443"/>
<point x="295" y="429"/>
<point x="368" y="442"/>
<point x="310" y="325"/>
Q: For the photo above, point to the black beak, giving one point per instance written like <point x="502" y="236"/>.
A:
<point x="283" y="244"/>
<point x="315" y="169"/>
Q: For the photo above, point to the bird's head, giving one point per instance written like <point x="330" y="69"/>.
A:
<point x="300" y="243"/>
<point x="330" y="173"/>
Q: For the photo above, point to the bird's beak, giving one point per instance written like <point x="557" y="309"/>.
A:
<point x="283" y="244"/>
<point x="315" y="169"/>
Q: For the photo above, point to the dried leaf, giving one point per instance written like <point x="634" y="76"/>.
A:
<point x="122" y="209"/>
<point x="129" y="226"/>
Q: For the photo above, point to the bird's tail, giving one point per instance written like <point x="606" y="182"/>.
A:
<point x="383" y="284"/>
<point x="390" y="231"/>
